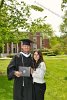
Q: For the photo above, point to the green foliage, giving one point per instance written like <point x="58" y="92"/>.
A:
<point x="54" y="40"/>
<point x="63" y="26"/>
<point x="39" y="25"/>
<point x="58" y="44"/>
<point x="37" y="8"/>
<point x="1" y="3"/>
<point x="58" y="49"/>
<point x="64" y="1"/>
<point x="19" y="14"/>
<point x="4" y="29"/>
<point x="10" y="55"/>
<point x="63" y="4"/>
<point x="13" y="16"/>
<point x="64" y="43"/>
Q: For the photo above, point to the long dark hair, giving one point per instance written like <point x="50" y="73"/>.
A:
<point x="36" y="64"/>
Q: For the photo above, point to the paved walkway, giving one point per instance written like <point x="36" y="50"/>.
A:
<point x="5" y="58"/>
<point x="46" y="57"/>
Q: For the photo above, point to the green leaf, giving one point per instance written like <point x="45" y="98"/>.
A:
<point x="37" y="8"/>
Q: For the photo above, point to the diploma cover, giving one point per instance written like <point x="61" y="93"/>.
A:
<point x="25" y="71"/>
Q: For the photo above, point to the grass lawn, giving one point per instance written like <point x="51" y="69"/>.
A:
<point x="6" y="88"/>
<point x="56" y="79"/>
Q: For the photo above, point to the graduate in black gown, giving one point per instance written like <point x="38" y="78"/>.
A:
<point x="22" y="89"/>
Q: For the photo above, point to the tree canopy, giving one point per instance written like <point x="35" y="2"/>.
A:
<point x="14" y="15"/>
<point x="63" y="26"/>
<point x="39" y="25"/>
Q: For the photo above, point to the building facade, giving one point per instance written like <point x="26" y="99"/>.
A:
<point x="39" y="43"/>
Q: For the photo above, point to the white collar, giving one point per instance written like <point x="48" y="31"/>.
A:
<point x="26" y="55"/>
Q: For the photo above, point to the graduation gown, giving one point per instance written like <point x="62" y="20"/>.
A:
<point x="20" y="92"/>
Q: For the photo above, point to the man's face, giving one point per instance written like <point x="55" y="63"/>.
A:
<point x="26" y="48"/>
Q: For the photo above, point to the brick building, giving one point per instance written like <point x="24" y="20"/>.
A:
<point x="39" y="43"/>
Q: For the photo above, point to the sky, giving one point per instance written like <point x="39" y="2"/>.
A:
<point x="54" y="18"/>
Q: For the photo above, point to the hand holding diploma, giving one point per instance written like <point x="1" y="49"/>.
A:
<point x="18" y="73"/>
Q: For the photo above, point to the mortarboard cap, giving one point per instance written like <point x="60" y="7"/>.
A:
<point x="26" y="41"/>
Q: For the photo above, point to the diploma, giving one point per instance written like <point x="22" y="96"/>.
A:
<point x="25" y="71"/>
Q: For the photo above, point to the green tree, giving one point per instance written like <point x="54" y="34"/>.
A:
<point x="63" y="26"/>
<point x="56" y="45"/>
<point x="15" y="15"/>
<point x="64" y="43"/>
<point x="12" y="16"/>
<point x="39" y="25"/>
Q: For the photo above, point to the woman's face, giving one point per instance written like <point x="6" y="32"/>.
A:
<point x="36" y="56"/>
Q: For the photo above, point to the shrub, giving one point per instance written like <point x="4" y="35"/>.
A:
<point x="58" y="49"/>
<point x="49" y="52"/>
<point x="10" y="55"/>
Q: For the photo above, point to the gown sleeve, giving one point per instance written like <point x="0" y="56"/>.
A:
<point x="11" y="68"/>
